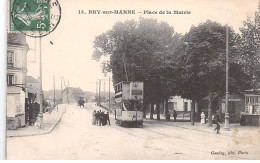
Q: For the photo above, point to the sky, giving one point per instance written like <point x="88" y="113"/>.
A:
<point x="70" y="54"/>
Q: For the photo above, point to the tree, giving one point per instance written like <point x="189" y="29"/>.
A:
<point x="249" y="46"/>
<point x="201" y="64"/>
<point x="139" y="50"/>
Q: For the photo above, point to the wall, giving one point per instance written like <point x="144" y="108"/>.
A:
<point x="180" y="103"/>
<point x="239" y="107"/>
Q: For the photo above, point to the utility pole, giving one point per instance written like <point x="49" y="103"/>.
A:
<point x="97" y="91"/>
<point x="99" y="85"/>
<point x="61" y="88"/>
<point x="104" y="92"/>
<point x="226" y="126"/>
<point x="66" y="90"/>
<point x="54" y="98"/>
<point x="41" y="92"/>
<point x="109" y="94"/>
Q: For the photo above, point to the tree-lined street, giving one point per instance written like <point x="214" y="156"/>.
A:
<point x="76" y="138"/>
<point x="210" y="60"/>
<point x="176" y="86"/>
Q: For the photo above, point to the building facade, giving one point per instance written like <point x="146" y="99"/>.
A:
<point x="252" y="108"/>
<point x="17" y="49"/>
<point x="179" y="104"/>
<point x="236" y="105"/>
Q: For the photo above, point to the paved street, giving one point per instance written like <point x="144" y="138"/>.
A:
<point x="76" y="138"/>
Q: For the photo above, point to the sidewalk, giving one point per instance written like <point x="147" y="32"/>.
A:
<point x="235" y="128"/>
<point x="50" y="121"/>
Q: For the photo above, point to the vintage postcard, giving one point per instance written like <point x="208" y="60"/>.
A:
<point x="133" y="80"/>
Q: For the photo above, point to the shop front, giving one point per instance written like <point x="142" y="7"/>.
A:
<point x="251" y="114"/>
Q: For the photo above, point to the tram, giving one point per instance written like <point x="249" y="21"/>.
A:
<point x="129" y="103"/>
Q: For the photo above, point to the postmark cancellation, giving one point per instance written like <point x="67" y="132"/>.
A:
<point x="34" y="18"/>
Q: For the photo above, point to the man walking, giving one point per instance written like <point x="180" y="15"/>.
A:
<point x="107" y="118"/>
<point x="217" y="121"/>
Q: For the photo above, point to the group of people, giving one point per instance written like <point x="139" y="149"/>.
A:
<point x="100" y="118"/>
<point x="31" y="112"/>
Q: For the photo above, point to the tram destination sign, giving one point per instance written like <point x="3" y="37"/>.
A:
<point x="136" y="90"/>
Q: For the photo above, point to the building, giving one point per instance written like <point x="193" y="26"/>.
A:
<point x="17" y="49"/>
<point x="92" y="99"/>
<point x="236" y="105"/>
<point x="252" y="108"/>
<point x="71" y="94"/>
<point x="179" y="104"/>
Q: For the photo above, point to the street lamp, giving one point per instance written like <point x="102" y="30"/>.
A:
<point x="226" y="126"/>
<point x="41" y="92"/>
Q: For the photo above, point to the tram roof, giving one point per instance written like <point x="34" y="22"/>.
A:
<point x="126" y="82"/>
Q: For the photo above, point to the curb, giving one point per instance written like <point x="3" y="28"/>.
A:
<point x="47" y="132"/>
<point x="187" y="128"/>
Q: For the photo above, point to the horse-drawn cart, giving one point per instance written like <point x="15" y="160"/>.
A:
<point x="81" y="102"/>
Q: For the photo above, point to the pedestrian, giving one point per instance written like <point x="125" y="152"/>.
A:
<point x="243" y="119"/>
<point x="217" y="121"/>
<point x="174" y="115"/>
<point x="35" y="112"/>
<point x="98" y="118"/>
<point x="102" y="119"/>
<point x="94" y="118"/>
<point x="107" y="118"/>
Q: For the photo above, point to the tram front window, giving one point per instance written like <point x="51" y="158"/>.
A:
<point x="132" y="105"/>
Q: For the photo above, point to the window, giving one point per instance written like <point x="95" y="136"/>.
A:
<point x="185" y="106"/>
<point x="120" y="87"/>
<point x="10" y="59"/>
<point x="251" y="104"/>
<point x="115" y="89"/>
<point x="11" y="79"/>
<point x="132" y="105"/>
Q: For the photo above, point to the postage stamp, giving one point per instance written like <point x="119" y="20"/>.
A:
<point x="35" y="18"/>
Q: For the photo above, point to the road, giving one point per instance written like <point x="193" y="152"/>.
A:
<point x="76" y="139"/>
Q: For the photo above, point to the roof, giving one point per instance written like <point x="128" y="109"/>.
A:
<point x="252" y="91"/>
<point x="74" y="90"/>
<point x="30" y="79"/>
<point x="127" y="82"/>
<point x="17" y="39"/>
<point x="231" y="96"/>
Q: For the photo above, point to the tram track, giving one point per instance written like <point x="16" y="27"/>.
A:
<point x="181" y="142"/>
<point x="165" y="138"/>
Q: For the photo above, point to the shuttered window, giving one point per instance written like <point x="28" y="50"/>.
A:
<point x="11" y="79"/>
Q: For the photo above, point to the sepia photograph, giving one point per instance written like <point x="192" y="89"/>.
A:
<point x="132" y="80"/>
